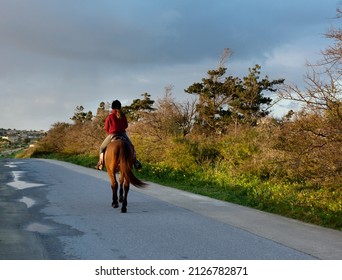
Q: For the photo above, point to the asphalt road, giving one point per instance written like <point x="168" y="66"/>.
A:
<point x="57" y="210"/>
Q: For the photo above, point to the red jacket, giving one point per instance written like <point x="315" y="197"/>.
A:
<point x="114" y="125"/>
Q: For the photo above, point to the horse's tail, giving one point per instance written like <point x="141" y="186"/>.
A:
<point x="126" y="163"/>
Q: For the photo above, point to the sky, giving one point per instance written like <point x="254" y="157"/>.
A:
<point x="59" y="54"/>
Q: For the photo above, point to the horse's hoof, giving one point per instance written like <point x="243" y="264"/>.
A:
<point x="115" y="205"/>
<point x="121" y="199"/>
<point x="123" y="210"/>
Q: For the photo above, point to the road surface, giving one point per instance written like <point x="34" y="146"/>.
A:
<point x="57" y="210"/>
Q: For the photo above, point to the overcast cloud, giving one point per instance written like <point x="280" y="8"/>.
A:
<point x="58" y="54"/>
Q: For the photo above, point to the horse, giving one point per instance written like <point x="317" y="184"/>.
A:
<point x="119" y="155"/>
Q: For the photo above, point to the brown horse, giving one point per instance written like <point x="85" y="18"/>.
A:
<point x="119" y="156"/>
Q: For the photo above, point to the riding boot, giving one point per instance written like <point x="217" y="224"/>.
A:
<point x="99" y="165"/>
<point x="137" y="165"/>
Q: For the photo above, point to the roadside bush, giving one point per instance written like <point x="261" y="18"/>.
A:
<point x="312" y="147"/>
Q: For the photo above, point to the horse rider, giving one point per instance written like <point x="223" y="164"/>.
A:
<point x="115" y="125"/>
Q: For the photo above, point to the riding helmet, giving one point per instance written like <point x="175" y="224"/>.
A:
<point x="116" y="104"/>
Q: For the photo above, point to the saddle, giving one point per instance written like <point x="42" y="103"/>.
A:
<point x="124" y="138"/>
<point x="119" y="136"/>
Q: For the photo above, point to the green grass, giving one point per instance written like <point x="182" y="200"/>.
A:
<point x="83" y="160"/>
<point x="312" y="204"/>
<point x="317" y="205"/>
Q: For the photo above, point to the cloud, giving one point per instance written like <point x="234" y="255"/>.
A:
<point x="290" y="59"/>
<point x="56" y="55"/>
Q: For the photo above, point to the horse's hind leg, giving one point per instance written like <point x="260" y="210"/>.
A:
<point x="114" y="186"/>
<point x="121" y="189"/>
<point x="124" y="202"/>
<point x="115" y="203"/>
<point x="121" y="194"/>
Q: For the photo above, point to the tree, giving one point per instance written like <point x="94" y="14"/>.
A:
<point x="225" y="100"/>
<point x="99" y="119"/>
<point x="214" y="95"/>
<point x="169" y="118"/>
<point x="80" y="117"/>
<point x="249" y="103"/>
<point x="187" y="111"/>
<point x="323" y="92"/>
<point x="54" y="141"/>
<point x="312" y="137"/>
<point x="332" y="56"/>
<point x="138" y="107"/>
<point x="94" y="132"/>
